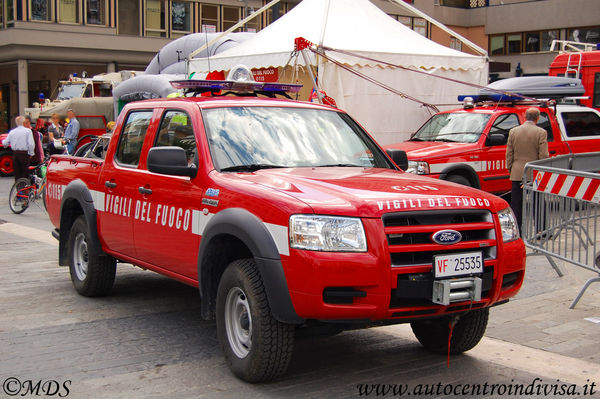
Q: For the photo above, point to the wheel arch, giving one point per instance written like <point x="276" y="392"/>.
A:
<point x="76" y="201"/>
<point x="463" y="170"/>
<point x="233" y="234"/>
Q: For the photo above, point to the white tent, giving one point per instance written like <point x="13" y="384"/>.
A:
<point x="362" y="28"/>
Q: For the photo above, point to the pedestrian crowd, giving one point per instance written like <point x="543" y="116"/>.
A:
<point x="27" y="141"/>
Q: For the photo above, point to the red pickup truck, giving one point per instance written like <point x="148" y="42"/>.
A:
<point x="287" y="216"/>
<point x="468" y="146"/>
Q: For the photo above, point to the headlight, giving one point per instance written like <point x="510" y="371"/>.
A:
<point x="327" y="233"/>
<point x="508" y="225"/>
<point x="418" y="167"/>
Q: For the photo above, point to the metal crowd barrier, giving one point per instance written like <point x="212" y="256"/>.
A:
<point x="561" y="206"/>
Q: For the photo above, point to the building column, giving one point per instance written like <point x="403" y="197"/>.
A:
<point x="111" y="67"/>
<point x="22" y="86"/>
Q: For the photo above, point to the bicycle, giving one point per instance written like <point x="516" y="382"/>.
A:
<point x="27" y="190"/>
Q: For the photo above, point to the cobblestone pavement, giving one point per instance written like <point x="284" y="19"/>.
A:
<point x="148" y="341"/>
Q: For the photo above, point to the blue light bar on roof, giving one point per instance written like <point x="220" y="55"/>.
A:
<point x="216" y="85"/>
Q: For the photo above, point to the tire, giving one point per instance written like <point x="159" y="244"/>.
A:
<point x="82" y="151"/>
<point x="6" y="164"/>
<point x="19" y="204"/>
<point x="79" y="147"/>
<point x="468" y="331"/>
<point x="91" y="275"/>
<point x="43" y="195"/>
<point x="459" y="180"/>
<point x="257" y="347"/>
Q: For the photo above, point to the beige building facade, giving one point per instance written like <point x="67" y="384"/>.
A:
<point x="44" y="41"/>
<point x="516" y="33"/>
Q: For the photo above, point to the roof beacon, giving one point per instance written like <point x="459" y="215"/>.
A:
<point x="239" y="80"/>
<point x="468" y="103"/>
<point x="240" y="73"/>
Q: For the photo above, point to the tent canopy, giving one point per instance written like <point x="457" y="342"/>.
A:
<point x="360" y="27"/>
<point x="353" y="25"/>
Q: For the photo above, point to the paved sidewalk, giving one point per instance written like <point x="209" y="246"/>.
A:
<point x="539" y="316"/>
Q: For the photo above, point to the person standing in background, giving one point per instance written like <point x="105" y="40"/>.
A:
<point x="20" y="139"/>
<point x="526" y="143"/>
<point x="55" y="132"/>
<point x="38" y="156"/>
<point x="72" y="131"/>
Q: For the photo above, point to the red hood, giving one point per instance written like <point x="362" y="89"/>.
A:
<point x="370" y="192"/>
<point x="424" y="150"/>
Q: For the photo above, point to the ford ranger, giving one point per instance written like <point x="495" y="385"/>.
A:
<point x="286" y="215"/>
<point x="468" y="145"/>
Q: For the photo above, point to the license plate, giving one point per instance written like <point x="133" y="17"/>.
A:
<point x="451" y="265"/>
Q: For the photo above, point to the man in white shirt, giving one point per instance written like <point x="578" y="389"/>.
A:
<point x="21" y="142"/>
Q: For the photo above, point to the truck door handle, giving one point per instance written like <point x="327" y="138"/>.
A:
<point x="144" y="190"/>
<point x="110" y="184"/>
<point x="552" y="152"/>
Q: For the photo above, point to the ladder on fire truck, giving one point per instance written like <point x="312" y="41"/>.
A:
<point x="575" y="51"/>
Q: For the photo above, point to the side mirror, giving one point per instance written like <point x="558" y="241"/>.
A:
<point x="170" y="161"/>
<point x="495" y="139"/>
<point x="399" y="157"/>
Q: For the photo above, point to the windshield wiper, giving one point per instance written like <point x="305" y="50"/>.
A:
<point x="341" y="165"/>
<point x="251" y="167"/>
<point x="416" y="139"/>
<point x="446" y="140"/>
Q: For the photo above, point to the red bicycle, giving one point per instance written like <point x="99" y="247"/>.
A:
<point x="27" y="190"/>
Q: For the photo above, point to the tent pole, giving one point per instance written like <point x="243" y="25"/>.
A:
<point x="234" y="27"/>
<point x="440" y="25"/>
<point x="312" y="76"/>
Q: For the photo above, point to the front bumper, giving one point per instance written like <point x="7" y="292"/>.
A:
<point x="367" y="287"/>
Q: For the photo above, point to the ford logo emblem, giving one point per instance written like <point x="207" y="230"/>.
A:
<point x="446" y="237"/>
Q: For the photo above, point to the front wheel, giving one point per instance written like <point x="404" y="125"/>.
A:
<point x="92" y="275"/>
<point x="257" y="347"/>
<point x="468" y="331"/>
<point x="18" y="199"/>
<point x="459" y="180"/>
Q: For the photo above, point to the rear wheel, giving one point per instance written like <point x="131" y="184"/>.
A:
<point x="459" y="180"/>
<point x="6" y="164"/>
<point x="92" y="275"/>
<point x="466" y="334"/>
<point x="18" y="199"/>
<point x="84" y="144"/>
<point x="43" y="195"/>
<point x="257" y="347"/>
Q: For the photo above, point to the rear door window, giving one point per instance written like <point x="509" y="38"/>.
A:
<point x="545" y="124"/>
<point x="581" y="124"/>
<point x="132" y="138"/>
<point x="176" y="130"/>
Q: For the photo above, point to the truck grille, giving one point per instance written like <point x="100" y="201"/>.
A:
<point x="409" y="235"/>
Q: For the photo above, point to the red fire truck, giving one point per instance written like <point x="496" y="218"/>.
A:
<point x="286" y="216"/>
<point x="581" y="61"/>
<point x="468" y="145"/>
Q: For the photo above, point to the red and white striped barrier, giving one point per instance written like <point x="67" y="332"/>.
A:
<point x="582" y="188"/>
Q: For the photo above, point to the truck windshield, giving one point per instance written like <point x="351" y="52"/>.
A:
<point x="453" y="127"/>
<point x="251" y="138"/>
<point x="70" y="90"/>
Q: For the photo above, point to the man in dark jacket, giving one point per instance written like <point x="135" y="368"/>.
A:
<point x="38" y="157"/>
